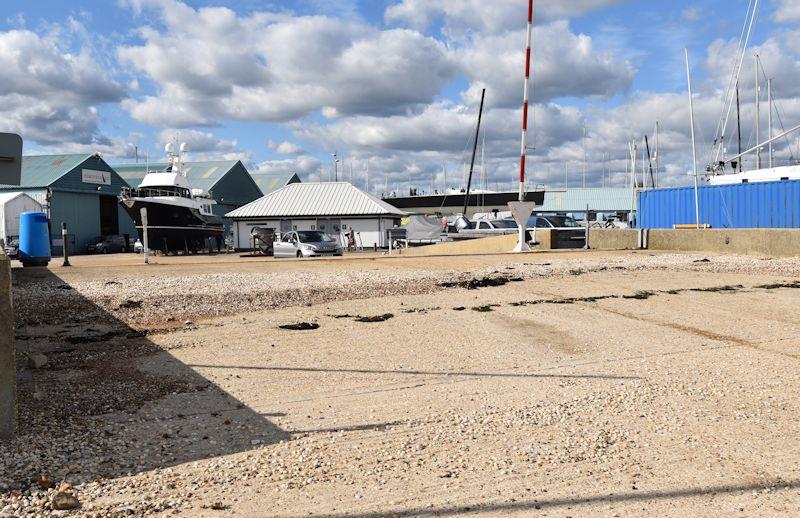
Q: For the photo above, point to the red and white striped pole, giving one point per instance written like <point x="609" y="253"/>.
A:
<point x="525" y="104"/>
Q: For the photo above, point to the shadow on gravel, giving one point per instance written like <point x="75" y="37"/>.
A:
<point x="555" y="503"/>
<point x="93" y="410"/>
<point x="418" y="373"/>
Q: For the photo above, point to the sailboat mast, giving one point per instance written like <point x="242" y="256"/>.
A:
<point x="739" y="124"/>
<point x="658" y="152"/>
<point x="694" y="142"/>
<point x="526" y="90"/>
<point x="769" y="122"/>
<point x="474" y="152"/>
<point x="584" y="155"/>
<point x="758" y="115"/>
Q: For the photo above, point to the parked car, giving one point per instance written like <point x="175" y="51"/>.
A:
<point x="490" y="227"/>
<point x="106" y="245"/>
<point x="567" y="232"/>
<point x="499" y="225"/>
<point x="307" y="243"/>
<point x="12" y="249"/>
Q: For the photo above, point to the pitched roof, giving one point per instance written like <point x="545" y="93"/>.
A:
<point x="607" y="199"/>
<point x="8" y="196"/>
<point x="316" y="199"/>
<point x="202" y="175"/>
<point x="271" y="182"/>
<point x="44" y="170"/>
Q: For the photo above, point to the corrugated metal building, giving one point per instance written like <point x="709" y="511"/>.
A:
<point x="228" y="182"/>
<point x="333" y="207"/>
<point x="80" y="190"/>
<point x="743" y="205"/>
<point x="607" y="200"/>
<point x="271" y="182"/>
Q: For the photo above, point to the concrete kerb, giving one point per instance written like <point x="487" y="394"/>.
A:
<point x="8" y="371"/>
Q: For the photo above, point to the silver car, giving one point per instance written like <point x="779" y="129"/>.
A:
<point x="307" y="243"/>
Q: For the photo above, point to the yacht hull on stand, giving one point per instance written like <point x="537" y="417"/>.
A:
<point x="171" y="228"/>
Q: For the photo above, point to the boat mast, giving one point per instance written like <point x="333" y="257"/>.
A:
<point x="694" y="142"/>
<point x="738" y="125"/>
<point x="744" y="43"/>
<point x="758" y="115"/>
<point x="650" y="162"/>
<point x="657" y="157"/>
<point x="769" y="122"/>
<point x="474" y="152"/>
<point x="584" y="153"/>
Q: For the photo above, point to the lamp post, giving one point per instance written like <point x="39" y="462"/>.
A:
<point x="335" y="166"/>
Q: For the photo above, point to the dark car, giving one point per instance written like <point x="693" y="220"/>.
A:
<point x="106" y="245"/>
<point x="12" y="249"/>
<point x="566" y="232"/>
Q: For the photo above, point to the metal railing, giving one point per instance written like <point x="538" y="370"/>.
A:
<point x="147" y="192"/>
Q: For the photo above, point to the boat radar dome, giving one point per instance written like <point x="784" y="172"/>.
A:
<point x="169" y="148"/>
<point x="184" y="148"/>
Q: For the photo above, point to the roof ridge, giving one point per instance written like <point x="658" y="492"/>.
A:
<point x="322" y="203"/>
<point x="42" y="155"/>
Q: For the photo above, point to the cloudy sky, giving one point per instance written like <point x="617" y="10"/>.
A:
<point x="392" y="85"/>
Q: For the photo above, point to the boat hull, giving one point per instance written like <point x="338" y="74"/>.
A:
<point x="171" y="227"/>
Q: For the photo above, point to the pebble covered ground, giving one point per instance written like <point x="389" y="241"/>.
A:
<point x="189" y="297"/>
<point x="102" y="436"/>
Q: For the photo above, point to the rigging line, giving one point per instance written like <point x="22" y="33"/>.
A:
<point x="744" y="41"/>
<point x="734" y="71"/>
<point x="729" y="97"/>
<point x="786" y="137"/>
<point x="776" y="105"/>
<point x="733" y="79"/>
<point x="783" y="128"/>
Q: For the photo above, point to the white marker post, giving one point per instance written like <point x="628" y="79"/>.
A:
<point x="144" y="233"/>
<point x="521" y="210"/>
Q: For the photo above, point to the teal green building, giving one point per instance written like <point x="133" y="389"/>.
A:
<point x="80" y="190"/>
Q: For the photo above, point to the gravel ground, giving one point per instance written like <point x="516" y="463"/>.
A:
<point x="614" y="384"/>
<point x="171" y="298"/>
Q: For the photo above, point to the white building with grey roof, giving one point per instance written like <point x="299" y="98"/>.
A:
<point x="333" y="207"/>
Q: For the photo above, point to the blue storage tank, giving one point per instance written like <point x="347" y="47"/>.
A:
<point x="34" y="239"/>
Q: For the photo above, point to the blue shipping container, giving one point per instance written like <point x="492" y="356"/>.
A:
<point x="741" y="205"/>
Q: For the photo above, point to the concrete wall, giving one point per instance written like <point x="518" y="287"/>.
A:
<point x="8" y="374"/>
<point x="769" y="242"/>
<point x="613" y="239"/>
<point x="487" y="245"/>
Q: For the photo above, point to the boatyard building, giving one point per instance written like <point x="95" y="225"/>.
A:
<point x="334" y="207"/>
<point x="271" y="182"/>
<point x="79" y="190"/>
